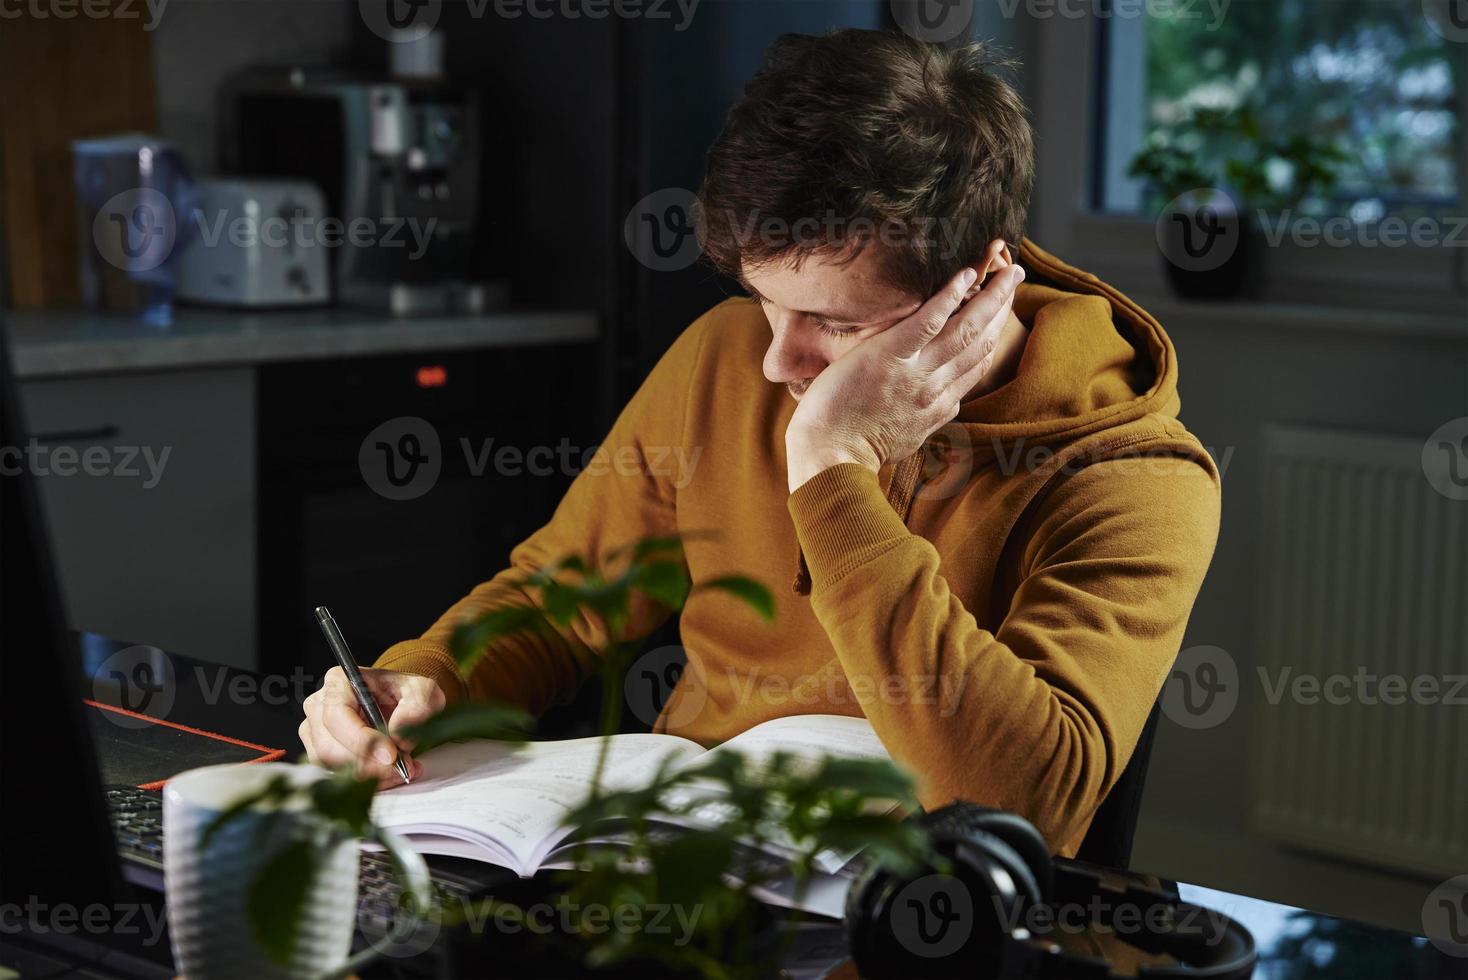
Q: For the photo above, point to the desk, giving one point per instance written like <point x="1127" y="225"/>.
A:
<point x="1293" y="942"/>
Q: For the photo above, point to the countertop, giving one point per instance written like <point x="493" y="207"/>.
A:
<point x="50" y="344"/>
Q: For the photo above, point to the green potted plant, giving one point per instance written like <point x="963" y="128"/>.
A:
<point x="1208" y="212"/>
<point x="813" y="807"/>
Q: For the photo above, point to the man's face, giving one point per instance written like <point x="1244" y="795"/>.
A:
<point x="822" y="311"/>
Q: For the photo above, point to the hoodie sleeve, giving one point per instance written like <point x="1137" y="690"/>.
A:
<point x="626" y="491"/>
<point x="1040" y="716"/>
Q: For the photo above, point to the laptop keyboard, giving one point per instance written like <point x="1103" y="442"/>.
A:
<point x="137" y="822"/>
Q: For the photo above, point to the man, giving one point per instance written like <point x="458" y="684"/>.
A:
<point x="995" y="524"/>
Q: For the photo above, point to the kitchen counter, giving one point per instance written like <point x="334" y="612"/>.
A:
<point x="49" y="344"/>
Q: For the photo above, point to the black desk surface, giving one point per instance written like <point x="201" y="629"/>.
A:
<point x="266" y="711"/>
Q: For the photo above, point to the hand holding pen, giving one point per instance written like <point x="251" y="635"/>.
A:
<point x="345" y="723"/>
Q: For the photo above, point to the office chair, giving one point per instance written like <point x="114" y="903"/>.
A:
<point x="1109" y="840"/>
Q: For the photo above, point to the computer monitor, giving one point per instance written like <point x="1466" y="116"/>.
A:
<point x="56" y="844"/>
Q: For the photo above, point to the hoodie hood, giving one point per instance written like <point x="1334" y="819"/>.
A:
<point x="1094" y="362"/>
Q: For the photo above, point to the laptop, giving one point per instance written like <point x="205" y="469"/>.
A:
<point x="77" y="844"/>
<point x="57" y="855"/>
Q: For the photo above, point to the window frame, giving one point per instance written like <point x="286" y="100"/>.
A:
<point x="1121" y="248"/>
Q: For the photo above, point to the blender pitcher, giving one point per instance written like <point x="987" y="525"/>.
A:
<point x="135" y="211"/>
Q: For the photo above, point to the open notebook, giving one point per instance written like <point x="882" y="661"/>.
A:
<point x="506" y="805"/>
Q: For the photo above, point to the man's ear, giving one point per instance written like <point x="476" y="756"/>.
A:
<point x="996" y="256"/>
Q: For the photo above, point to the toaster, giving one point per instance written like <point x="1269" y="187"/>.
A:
<point x="257" y="243"/>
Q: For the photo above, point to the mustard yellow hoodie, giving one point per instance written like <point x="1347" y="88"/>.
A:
<point x="1003" y="606"/>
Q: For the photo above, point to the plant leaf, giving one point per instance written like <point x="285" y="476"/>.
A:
<point x="876" y="779"/>
<point x="610" y="602"/>
<point x="276" y="901"/>
<point x="644" y="548"/>
<point x="472" y="638"/>
<point x="279" y="788"/>
<point x="502" y="722"/>
<point x="345" y="798"/>
<point x="756" y="595"/>
<point x="561" y="602"/>
<point x="665" y="581"/>
<point x="411" y="872"/>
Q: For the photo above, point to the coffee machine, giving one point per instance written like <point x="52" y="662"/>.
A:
<point x="398" y="162"/>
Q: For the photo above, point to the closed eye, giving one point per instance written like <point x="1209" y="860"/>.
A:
<point x="823" y="325"/>
<point x="832" y="331"/>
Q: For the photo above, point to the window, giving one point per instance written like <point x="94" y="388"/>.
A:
<point x="1375" y="79"/>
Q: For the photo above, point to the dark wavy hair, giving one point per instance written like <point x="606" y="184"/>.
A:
<point x="865" y="136"/>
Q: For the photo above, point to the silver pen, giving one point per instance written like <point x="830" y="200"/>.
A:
<point x="348" y="664"/>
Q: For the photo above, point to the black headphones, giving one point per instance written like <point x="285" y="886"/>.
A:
<point x="1001" y="905"/>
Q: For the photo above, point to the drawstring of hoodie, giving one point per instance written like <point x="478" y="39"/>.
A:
<point x="900" y="495"/>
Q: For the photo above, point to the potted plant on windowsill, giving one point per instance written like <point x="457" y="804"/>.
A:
<point x="1208" y="214"/>
<point x="813" y="808"/>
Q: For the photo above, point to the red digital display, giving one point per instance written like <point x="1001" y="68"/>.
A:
<point x="432" y="376"/>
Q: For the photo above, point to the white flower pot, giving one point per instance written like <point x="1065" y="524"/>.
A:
<point x="207" y="888"/>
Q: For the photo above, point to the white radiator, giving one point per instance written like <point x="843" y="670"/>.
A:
<point x="1365" y="574"/>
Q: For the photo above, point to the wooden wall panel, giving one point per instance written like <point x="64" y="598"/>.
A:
<point x="60" y="80"/>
